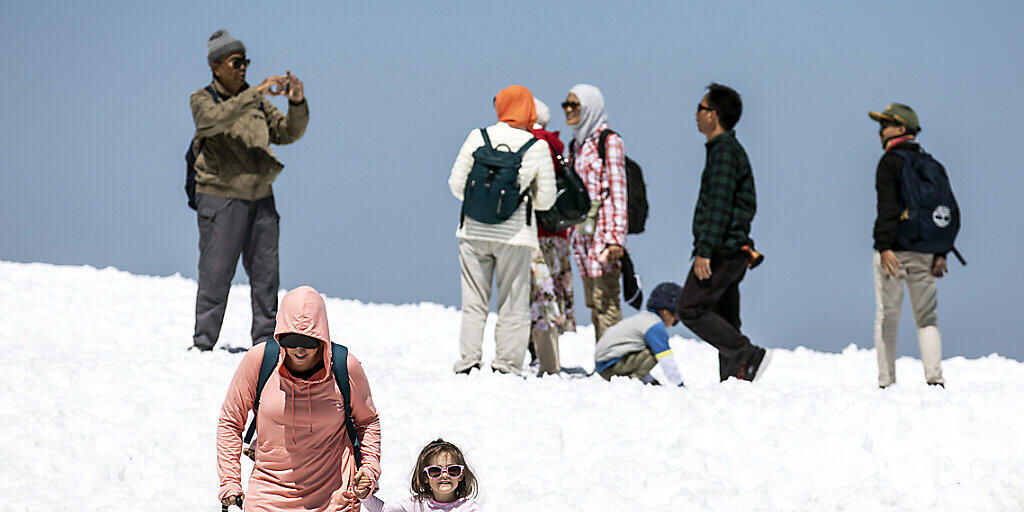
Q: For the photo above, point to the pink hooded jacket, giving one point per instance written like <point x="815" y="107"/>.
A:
<point x="304" y="457"/>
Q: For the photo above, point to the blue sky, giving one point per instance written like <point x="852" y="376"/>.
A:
<point x="97" y="120"/>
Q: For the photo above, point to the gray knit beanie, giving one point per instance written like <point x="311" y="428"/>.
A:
<point x="221" y="45"/>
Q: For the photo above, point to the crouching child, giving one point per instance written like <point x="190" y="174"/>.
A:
<point x="635" y="345"/>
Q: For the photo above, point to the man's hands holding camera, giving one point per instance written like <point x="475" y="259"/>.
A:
<point x="287" y="85"/>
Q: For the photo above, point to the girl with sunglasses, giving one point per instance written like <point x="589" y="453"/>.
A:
<point x="441" y="481"/>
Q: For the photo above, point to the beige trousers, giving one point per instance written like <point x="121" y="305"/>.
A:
<point x="916" y="273"/>
<point x="545" y="342"/>
<point x="601" y="295"/>
<point x="509" y="266"/>
<point x="635" y="366"/>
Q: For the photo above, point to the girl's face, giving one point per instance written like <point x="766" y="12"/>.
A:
<point x="443" y="487"/>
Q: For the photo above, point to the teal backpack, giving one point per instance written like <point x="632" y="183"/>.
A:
<point x="339" y="364"/>
<point x="492" y="193"/>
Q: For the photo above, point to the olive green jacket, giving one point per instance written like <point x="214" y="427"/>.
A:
<point x="235" y="136"/>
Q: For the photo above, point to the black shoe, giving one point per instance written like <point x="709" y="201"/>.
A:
<point x="939" y="384"/>
<point x="201" y="348"/>
<point x="754" y="368"/>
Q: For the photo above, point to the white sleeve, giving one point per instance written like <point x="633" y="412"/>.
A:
<point x="373" y="504"/>
<point x="464" y="163"/>
<point x="539" y="155"/>
<point x="671" y="369"/>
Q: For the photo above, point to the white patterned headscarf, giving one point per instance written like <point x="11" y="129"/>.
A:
<point x="543" y="113"/>
<point x="591" y="111"/>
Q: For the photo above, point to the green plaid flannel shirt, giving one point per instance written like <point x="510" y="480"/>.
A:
<point x="727" y="201"/>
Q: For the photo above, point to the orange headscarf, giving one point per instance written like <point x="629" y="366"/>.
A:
<point x="515" y="106"/>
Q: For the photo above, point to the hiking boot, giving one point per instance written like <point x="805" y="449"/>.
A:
<point x="201" y="348"/>
<point x="939" y="384"/>
<point x="754" y="368"/>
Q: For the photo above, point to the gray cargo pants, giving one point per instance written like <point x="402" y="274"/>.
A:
<point x="916" y="272"/>
<point x="509" y="266"/>
<point x="229" y="228"/>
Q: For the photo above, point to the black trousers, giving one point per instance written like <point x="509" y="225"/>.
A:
<point x="711" y="309"/>
<point x="229" y="228"/>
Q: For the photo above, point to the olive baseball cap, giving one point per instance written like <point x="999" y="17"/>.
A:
<point x="897" y="113"/>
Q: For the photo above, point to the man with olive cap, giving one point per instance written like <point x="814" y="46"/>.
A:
<point x="234" y="170"/>
<point x="895" y="264"/>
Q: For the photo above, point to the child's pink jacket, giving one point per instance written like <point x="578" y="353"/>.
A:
<point x="414" y="504"/>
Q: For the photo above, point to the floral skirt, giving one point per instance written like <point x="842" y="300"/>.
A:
<point x="551" y="300"/>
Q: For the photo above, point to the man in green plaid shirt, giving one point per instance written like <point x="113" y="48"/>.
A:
<point x="710" y="303"/>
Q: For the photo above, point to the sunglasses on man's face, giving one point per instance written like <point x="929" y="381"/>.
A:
<point x="237" y="63"/>
<point x="702" y="107"/>
<point x="435" y="472"/>
<point x="566" y="105"/>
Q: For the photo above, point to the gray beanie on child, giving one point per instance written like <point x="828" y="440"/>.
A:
<point x="221" y="45"/>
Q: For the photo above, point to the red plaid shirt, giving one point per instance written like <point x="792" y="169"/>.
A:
<point x="608" y="183"/>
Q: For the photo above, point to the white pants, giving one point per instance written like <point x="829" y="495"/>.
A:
<point x="509" y="266"/>
<point x="916" y="273"/>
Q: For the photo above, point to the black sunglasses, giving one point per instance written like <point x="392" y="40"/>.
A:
<point x="702" y="107"/>
<point x="237" y="63"/>
<point x="570" y="104"/>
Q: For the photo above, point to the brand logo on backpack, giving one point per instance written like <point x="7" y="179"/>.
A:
<point x="942" y="216"/>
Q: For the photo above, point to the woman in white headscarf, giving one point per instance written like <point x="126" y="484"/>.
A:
<point x="599" y="242"/>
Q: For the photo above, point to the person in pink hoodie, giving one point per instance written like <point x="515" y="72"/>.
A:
<point x="304" y="457"/>
<point x="441" y="482"/>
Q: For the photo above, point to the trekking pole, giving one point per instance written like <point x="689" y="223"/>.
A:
<point x="237" y="503"/>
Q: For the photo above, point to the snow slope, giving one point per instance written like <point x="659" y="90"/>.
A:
<point x="102" y="408"/>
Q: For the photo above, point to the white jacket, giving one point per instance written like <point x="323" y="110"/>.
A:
<point x="536" y="172"/>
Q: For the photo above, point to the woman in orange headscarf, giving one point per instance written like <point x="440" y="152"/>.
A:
<point x="497" y="237"/>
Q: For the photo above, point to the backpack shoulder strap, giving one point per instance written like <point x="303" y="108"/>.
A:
<point x="213" y="93"/>
<point x="602" y="144"/>
<point x="487" y="140"/>
<point x="529" y="143"/>
<point x="339" y="365"/>
<point x="271" y="353"/>
<point x="602" y="150"/>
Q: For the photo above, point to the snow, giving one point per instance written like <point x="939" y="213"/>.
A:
<point x="103" y="408"/>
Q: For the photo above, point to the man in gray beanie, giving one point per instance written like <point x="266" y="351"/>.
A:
<point x="234" y="170"/>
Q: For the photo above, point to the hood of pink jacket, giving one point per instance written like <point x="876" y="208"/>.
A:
<point x="303" y="311"/>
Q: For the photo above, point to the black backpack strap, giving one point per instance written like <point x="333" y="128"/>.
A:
<point x="602" y="150"/>
<point x="487" y="140"/>
<point x="529" y="143"/>
<point x="339" y="365"/>
<point x="271" y="353"/>
<point x="959" y="257"/>
<point x="213" y="93"/>
<point x="602" y="143"/>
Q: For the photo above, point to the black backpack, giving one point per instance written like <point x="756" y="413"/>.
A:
<point x="191" y="154"/>
<point x="339" y="365"/>
<point x="571" y="200"/>
<point x="636" y="189"/>
<point x="930" y="218"/>
<point x="492" y="192"/>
